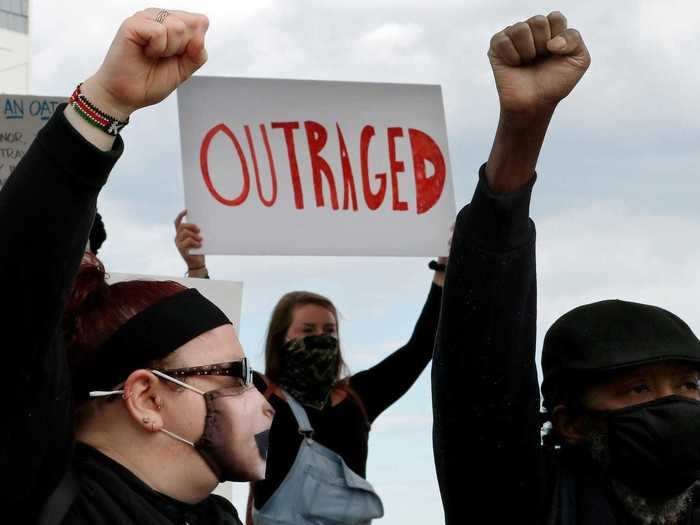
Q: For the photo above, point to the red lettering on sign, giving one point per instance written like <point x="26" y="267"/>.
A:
<point x="348" y="180"/>
<point x="204" y="165"/>
<point x="395" y="167"/>
<point x="428" y="189"/>
<point x="273" y="176"/>
<point x="288" y="128"/>
<point x="317" y="136"/>
<point x="373" y="200"/>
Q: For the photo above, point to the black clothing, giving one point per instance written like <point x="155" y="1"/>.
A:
<point x="53" y="192"/>
<point x="343" y="428"/>
<point x="111" y="494"/>
<point x="485" y="389"/>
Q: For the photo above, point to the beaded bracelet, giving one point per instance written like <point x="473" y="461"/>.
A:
<point x="94" y="116"/>
<point x="438" y="267"/>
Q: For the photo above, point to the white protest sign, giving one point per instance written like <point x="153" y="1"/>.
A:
<point x="227" y="295"/>
<point x="21" y="119"/>
<point x="297" y="167"/>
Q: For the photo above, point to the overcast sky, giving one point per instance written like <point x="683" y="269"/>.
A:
<point x="615" y="203"/>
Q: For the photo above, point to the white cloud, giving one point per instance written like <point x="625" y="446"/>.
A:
<point x="392" y="34"/>
<point x="615" y="252"/>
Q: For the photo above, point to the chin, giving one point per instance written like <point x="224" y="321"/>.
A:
<point x="259" y="473"/>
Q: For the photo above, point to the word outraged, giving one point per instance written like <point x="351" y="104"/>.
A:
<point x="315" y="168"/>
<point x="424" y="150"/>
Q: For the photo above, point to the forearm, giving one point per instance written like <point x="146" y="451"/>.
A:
<point x="47" y="208"/>
<point x="485" y="390"/>
<point x="383" y="384"/>
<point x="515" y="150"/>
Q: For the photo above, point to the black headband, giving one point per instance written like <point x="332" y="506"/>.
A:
<point x="150" y="335"/>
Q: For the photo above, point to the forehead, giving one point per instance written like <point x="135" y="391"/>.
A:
<point x="218" y="345"/>
<point x="312" y="313"/>
<point x="667" y="368"/>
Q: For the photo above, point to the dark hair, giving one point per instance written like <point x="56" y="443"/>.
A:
<point x="281" y="320"/>
<point x="571" y="392"/>
<point x="98" y="234"/>
<point x="96" y="310"/>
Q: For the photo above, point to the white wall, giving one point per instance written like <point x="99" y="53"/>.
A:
<point x="14" y="62"/>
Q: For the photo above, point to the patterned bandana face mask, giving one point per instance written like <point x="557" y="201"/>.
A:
<point x="309" y="368"/>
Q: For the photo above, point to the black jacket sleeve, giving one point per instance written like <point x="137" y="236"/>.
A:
<point x="46" y="210"/>
<point x="383" y="384"/>
<point x="485" y="388"/>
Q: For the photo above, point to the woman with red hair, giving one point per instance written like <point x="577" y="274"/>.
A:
<point x="128" y="403"/>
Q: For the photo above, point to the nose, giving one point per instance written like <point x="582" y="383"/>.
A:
<point x="664" y="388"/>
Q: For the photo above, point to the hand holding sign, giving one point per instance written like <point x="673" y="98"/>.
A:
<point x="153" y="52"/>
<point x="187" y="237"/>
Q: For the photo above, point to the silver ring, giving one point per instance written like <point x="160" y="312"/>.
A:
<point x="161" y="16"/>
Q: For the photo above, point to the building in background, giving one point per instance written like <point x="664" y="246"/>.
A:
<point x="14" y="46"/>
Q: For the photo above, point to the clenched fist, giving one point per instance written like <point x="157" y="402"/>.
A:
<point x="537" y="63"/>
<point x="153" y="52"/>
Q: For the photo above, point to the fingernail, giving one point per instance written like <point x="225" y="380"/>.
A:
<point x="558" y="42"/>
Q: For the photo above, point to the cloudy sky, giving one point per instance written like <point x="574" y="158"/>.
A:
<point x="615" y="203"/>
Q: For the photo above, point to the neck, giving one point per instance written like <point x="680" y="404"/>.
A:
<point x="165" y="465"/>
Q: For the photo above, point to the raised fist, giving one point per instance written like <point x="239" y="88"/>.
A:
<point x="536" y="64"/>
<point x="154" y="51"/>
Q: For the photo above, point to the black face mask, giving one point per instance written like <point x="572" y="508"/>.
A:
<point x="309" y="368"/>
<point x="654" y="447"/>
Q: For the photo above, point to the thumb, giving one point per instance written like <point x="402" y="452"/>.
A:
<point x="568" y="42"/>
<point x="195" y="56"/>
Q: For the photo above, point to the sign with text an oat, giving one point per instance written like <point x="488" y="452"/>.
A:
<point x="298" y="167"/>
<point x="21" y="118"/>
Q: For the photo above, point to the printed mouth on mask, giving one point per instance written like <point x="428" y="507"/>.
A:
<point x="262" y="439"/>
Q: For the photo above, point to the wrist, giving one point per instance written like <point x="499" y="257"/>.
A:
<point x="200" y="271"/>
<point x="523" y="121"/>
<point x="516" y="148"/>
<point x="93" y="89"/>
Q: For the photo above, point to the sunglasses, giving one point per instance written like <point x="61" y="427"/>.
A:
<point x="240" y="370"/>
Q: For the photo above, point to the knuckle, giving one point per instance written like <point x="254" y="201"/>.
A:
<point x="538" y="21"/>
<point x="495" y="39"/>
<point x="520" y="27"/>
<point x="178" y="27"/>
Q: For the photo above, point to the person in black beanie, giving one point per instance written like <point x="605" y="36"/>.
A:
<point x="620" y="383"/>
